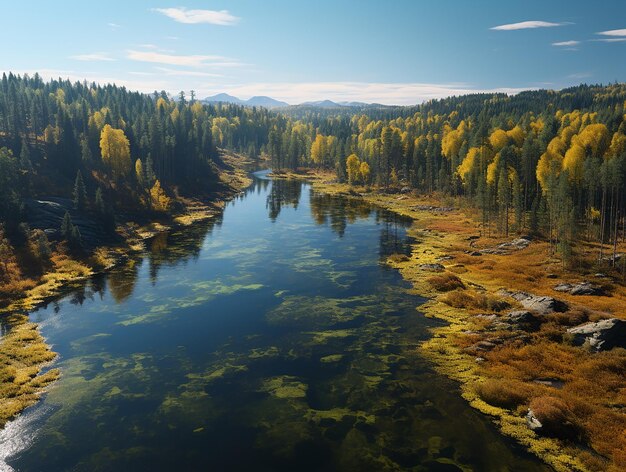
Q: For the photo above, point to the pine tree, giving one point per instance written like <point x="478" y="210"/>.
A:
<point x="79" y="194"/>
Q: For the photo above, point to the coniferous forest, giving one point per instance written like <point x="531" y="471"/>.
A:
<point x="539" y="162"/>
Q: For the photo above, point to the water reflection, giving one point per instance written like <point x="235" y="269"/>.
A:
<point x="284" y="193"/>
<point x="271" y="342"/>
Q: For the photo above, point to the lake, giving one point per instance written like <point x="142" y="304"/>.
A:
<point x="271" y="338"/>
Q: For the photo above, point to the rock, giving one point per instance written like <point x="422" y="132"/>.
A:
<point x="532" y="421"/>
<point x="539" y="304"/>
<point x="516" y="244"/>
<point x="432" y="267"/>
<point x="520" y="316"/>
<point x="581" y="288"/>
<point x="405" y="189"/>
<point x="601" y="335"/>
<point x="552" y="276"/>
<point x="475" y="253"/>
<point x="522" y="319"/>
<point x="554" y="383"/>
<point x="432" y="208"/>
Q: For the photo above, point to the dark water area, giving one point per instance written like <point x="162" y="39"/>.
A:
<point x="268" y="339"/>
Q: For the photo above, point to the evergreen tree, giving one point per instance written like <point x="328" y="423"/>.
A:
<point x="79" y="194"/>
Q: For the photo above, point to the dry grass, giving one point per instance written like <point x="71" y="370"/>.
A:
<point x="589" y="406"/>
<point x="23" y="352"/>
<point x="445" y="282"/>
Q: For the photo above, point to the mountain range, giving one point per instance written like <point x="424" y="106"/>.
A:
<point x="269" y="102"/>
<point x="257" y="101"/>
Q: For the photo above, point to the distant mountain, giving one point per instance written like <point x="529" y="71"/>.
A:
<point x="258" y="101"/>
<point x="322" y="104"/>
<point x="223" y="98"/>
<point x="267" y="102"/>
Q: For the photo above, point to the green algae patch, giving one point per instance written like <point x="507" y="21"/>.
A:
<point x="285" y="386"/>
<point x="331" y="359"/>
<point x="201" y="293"/>
<point x="318" y="312"/>
<point x="23" y="353"/>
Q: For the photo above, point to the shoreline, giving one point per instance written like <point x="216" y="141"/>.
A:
<point x="470" y="351"/>
<point x="24" y="353"/>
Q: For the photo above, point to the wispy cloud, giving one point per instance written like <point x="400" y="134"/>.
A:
<point x="213" y="17"/>
<point x="178" y="60"/>
<point x="610" y="40"/>
<point x="93" y="57"/>
<point x="617" y="32"/>
<point x="580" y="75"/>
<point x="114" y="25"/>
<point x="566" y="43"/>
<point x="386" y="93"/>
<point x="527" y="25"/>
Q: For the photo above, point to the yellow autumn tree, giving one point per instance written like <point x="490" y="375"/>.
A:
<point x="517" y="135"/>
<point x="451" y="141"/>
<point x="364" y="170"/>
<point x="160" y="201"/>
<point x="318" y="150"/>
<point x="573" y="162"/>
<point x="352" y="167"/>
<point x="498" y="139"/>
<point x="618" y="145"/>
<point x="492" y="170"/>
<point x="468" y="163"/>
<point x="594" y="138"/>
<point x="115" y="150"/>
<point x="549" y="166"/>
<point x="139" y="172"/>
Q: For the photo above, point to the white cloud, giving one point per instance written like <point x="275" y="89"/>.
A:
<point x="213" y="17"/>
<point x="386" y="93"/>
<point x="177" y="60"/>
<point x="114" y="25"/>
<point x="526" y="25"/>
<point x="566" y="43"/>
<point x="610" y="40"/>
<point x="93" y="57"/>
<point x="580" y="75"/>
<point x="617" y="32"/>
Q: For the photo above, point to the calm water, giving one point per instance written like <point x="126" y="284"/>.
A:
<point x="271" y="339"/>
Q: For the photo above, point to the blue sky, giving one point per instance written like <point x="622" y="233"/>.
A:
<point x="392" y="51"/>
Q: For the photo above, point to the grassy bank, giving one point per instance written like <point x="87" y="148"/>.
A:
<point x="505" y="369"/>
<point x="24" y="353"/>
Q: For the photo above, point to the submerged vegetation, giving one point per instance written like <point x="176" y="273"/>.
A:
<point x="84" y="168"/>
<point x="508" y="366"/>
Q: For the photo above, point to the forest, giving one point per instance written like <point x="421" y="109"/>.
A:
<point x="549" y="163"/>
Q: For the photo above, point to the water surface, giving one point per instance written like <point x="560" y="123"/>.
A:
<point x="269" y="339"/>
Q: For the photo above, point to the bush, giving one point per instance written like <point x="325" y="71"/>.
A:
<point x="503" y="393"/>
<point x="556" y="418"/>
<point x="445" y="282"/>
<point x="467" y="300"/>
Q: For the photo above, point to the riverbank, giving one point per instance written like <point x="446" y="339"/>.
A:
<point x="510" y="349"/>
<point x="24" y="354"/>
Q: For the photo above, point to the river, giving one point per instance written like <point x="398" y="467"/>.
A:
<point x="271" y="338"/>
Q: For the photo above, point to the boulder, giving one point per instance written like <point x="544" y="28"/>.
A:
<point x="580" y="288"/>
<point x="601" y="335"/>
<point x="532" y="421"/>
<point x="432" y="267"/>
<point x="539" y="304"/>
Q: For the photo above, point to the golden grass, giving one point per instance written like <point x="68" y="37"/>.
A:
<point x="445" y="282"/>
<point x="591" y="401"/>
<point x="23" y="353"/>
